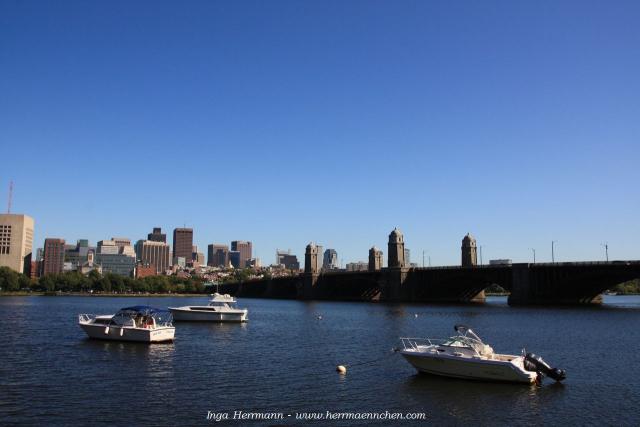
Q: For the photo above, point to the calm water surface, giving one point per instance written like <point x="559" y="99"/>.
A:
<point x="284" y="360"/>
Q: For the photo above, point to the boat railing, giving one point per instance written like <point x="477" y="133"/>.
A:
<point x="415" y="343"/>
<point x="86" y="318"/>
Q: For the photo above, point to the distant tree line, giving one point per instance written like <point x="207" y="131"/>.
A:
<point x="11" y="281"/>
<point x="630" y="287"/>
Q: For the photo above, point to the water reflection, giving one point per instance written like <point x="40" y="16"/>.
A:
<point x="465" y="400"/>
<point x="136" y="350"/>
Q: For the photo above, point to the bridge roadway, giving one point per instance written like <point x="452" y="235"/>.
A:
<point x="541" y="283"/>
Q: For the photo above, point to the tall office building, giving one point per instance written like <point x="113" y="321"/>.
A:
<point x="407" y="257"/>
<point x="357" y="266"/>
<point x="183" y="243"/>
<point x="234" y="259"/>
<point x="121" y="241"/>
<point x="330" y="260"/>
<point x="115" y="256"/>
<point x="157" y="235"/>
<point x="217" y="255"/>
<point x="245" y="251"/>
<point x="280" y="254"/>
<point x="16" y="242"/>
<point x="318" y="265"/>
<point x="153" y="253"/>
<point x="77" y="255"/>
<point x="290" y="262"/>
<point x="53" y="259"/>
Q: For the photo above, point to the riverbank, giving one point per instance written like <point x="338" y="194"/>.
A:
<point x="86" y="294"/>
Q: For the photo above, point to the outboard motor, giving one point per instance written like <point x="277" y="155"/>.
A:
<point x="535" y="363"/>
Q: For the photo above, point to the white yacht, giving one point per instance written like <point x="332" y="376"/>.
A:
<point x="140" y="323"/>
<point x="466" y="356"/>
<point x="221" y="308"/>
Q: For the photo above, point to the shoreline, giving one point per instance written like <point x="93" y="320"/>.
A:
<point x="86" y="294"/>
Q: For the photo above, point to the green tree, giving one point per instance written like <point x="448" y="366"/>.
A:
<point x="47" y="282"/>
<point x="9" y="279"/>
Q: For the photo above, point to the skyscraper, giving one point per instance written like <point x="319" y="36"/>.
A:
<point x="155" y="253"/>
<point x="218" y="255"/>
<point x="114" y="256"/>
<point x="16" y="242"/>
<point x="78" y="254"/>
<point x="53" y="261"/>
<point x="245" y="251"/>
<point x="183" y="243"/>
<point x="157" y="235"/>
<point x="330" y="260"/>
<point x="290" y="262"/>
<point x="234" y="259"/>
<point x="318" y="266"/>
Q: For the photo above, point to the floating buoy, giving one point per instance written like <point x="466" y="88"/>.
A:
<point x="341" y="369"/>
<point x="319" y="317"/>
<point x="416" y="315"/>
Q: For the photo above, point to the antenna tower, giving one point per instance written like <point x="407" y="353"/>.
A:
<point x="10" y="197"/>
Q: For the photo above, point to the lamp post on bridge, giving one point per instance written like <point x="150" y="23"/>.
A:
<point x="534" y="254"/>
<point x="606" y="250"/>
<point x="553" y="258"/>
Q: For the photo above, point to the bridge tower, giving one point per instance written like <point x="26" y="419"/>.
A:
<point x="396" y="249"/>
<point x="311" y="273"/>
<point x="469" y="251"/>
<point x="375" y="259"/>
<point x="311" y="259"/>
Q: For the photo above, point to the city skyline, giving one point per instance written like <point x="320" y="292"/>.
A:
<point x="413" y="115"/>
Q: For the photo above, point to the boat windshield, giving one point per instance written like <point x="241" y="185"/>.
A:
<point x="467" y="338"/>
<point x="221" y="300"/>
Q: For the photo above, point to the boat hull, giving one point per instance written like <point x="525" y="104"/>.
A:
<point x="127" y="333"/>
<point x="187" y="315"/>
<point x="468" y="368"/>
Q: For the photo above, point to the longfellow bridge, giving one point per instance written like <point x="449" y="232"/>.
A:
<point x="540" y="283"/>
<point x="559" y="283"/>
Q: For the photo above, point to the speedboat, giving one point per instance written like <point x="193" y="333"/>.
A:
<point x="140" y="323"/>
<point x="221" y="308"/>
<point x="466" y="356"/>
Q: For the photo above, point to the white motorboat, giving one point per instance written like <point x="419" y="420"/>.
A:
<point x="140" y="323"/>
<point x="466" y="356"/>
<point x="221" y="308"/>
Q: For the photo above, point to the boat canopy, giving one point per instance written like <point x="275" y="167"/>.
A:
<point x="161" y="316"/>
<point x="142" y="309"/>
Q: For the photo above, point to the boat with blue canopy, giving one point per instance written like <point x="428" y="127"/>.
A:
<point x="141" y="323"/>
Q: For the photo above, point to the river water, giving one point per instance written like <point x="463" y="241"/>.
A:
<point x="283" y="361"/>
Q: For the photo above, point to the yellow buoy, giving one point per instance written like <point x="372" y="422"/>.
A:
<point x="341" y="369"/>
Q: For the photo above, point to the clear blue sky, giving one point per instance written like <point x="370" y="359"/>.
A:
<point x="328" y="121"/>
